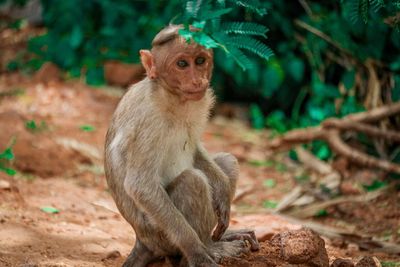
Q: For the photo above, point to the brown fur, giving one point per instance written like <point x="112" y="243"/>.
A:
<point x="161" y="178"/>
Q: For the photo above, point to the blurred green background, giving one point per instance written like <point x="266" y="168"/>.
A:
<point x="329" y="55"/>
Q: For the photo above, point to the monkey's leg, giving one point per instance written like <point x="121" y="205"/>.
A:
<point x="191" y="194"/>
<point x="230" y="166"/>
<point x="140" y="256"/>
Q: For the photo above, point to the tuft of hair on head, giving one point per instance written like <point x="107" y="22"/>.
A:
<point x="166" y="35"/>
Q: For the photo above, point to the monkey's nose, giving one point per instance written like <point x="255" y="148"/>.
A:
<point x="196" y="83"/>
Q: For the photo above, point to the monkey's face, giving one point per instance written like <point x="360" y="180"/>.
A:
<point x="186" y="70"/>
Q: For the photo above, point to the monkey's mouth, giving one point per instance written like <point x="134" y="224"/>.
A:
<point x="194" y="94"/>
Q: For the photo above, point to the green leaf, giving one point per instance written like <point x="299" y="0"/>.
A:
<point x="215" y="14"/>
<point x="272" y="78"/>
<point x="7" y="154"/>
<point x="269" y="183"/>
<point x="253" y="5"/>
<point x="256" y="117"/>
<point x="87" y="128"/>
<point x="95" y="76"/>
<point x="246" y="28"/>
<point x="321" y="213"/>
<point x="193" y="7"/>
<point x="251" y="44"/>
<point x="296" y="69"/>
<point x="10" y="172"/>
<point x="204" y="40"/>
<point x="281" y="167"/>
<point x="270" y="204"/>
<point x="76" y="36"/>
<point x="260" y="163"/>
<point x="276" y="121"/>
<point x="186" y="34"/>
<point x="199" y="24"/>
<point x="348" y="79"/>
<point x="13" y="65"/>
<point x="49" y="209"/>
<point x="31" y="125"/>
<point x="376" y="184"/>
<point x="303" y="178"/>
<point x="323" y="152"/>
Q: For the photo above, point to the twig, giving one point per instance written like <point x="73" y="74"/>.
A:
<point x="330" y="130"/>
<point x="376" y="114"/>
<point x="306" y="7"/>
<point x="347" y="235"/>
<point x="321" y="34"/>
<point x="340" y="147"/>
<point x="311" y="210"/>
<point x="362" y="127"/>
<point x="289" y="198"/>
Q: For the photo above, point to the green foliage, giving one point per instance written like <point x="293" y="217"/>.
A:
<point x="49" y="209"/>
<point x="270" y="204"/>
<point x="317" y="72"/>
<point x="231" y="37"/>
<point x="390" y="264"/>
<point x="87" y="128"/>
<point x="256" y="117"/>
<point x="321" y="213"/>
<point x="269" y="183"/>
<point x="5" y="159"/>
<point x="375" y="185"/>
<point x="34" y="127"/>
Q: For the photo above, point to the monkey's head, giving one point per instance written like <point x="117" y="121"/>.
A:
<point x="184" y="69"/>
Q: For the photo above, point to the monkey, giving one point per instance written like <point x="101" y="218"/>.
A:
<point x="174" y="194"/>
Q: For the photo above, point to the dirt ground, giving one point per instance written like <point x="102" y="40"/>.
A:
<point x="59" y="165"/>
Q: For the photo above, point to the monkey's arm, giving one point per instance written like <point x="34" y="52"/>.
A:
<point x="219" y="183"/>
<point x="153" y="199"/>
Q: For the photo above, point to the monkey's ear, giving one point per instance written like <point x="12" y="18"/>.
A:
<point x="148" y="63"/>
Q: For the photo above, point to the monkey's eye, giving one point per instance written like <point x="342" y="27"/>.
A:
<point x="182" y="63"/>
<point x="200" y="60"/>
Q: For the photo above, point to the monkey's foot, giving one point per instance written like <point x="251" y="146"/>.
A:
<point x="228" y="249"/>
<point x="244" y="235"/>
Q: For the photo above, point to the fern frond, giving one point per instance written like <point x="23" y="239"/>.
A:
<point x="377" y="4"/>
<point x="253" y="5"/>
<point x="208" y="14"/>
<point x="363" y="9"/>
<point x="246" y="28"/>
<point x="358" y="9"/>
<point x="243" y="61"/>
<point x="193" y="7"/>
<point x="251" y="44"/>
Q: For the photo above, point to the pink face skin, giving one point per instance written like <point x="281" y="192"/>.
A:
<point x="184" y="69"/>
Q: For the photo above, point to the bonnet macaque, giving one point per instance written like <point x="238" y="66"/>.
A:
<point x="174" y="194"/>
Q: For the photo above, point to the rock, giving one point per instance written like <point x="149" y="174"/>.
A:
<point x="342" y="263"/>
<point x="122" y="74"/>
<point x="112" y="255"/>
<point x="369" y="261"/>
<point x="49" y="72"/>
<point x="4" y="184"/>
<point x="302" y="247"/>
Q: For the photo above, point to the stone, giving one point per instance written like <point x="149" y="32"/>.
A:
<point x="342" y="263"/>
<point x="368" y="261"/>
<point x="122" y="74"/>
<point x="49" y="72"/>
<point x="302" y="247"/>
